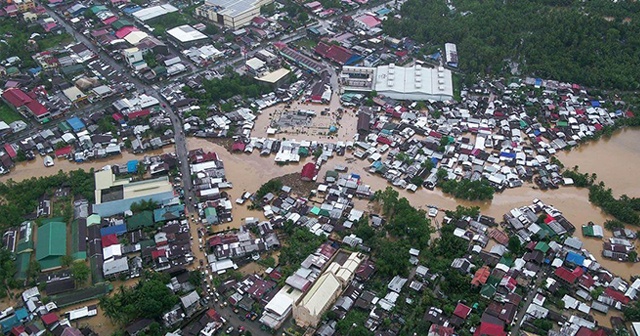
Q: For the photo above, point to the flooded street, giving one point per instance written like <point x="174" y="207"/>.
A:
<point x="317" y="131"/>
<point x="36" y="168"/>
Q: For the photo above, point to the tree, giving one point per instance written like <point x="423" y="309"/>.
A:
<point x="33" y="271"/>
<point x="631" y="312"/>
<point x="66" y="260"/>
<point x="633" y="256"/>
<point x="515" y="246"/>
<point x="80" y="272"/>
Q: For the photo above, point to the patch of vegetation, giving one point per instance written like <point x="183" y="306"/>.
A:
<point x="478" y="190"/>
<point x="7" y="114"/>
<point x="585" y="42"/>
<point x="149" y="298"/>
<point x="226" y="87"/>
<point x="272" y="186"/>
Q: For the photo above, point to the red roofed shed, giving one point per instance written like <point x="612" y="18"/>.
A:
<point x="308" y="172"/>
<point x="64" y="151"/>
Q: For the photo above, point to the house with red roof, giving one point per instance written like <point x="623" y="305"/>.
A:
<point x="50" y="320"/>
<point x="567" y="276"/>
<point x="63" y="152"/>
<point x="489" y="329"/>
<point x="366" y="21"/>
<point x="124" y="31"/>
<point x="21" y="101"/>
<point x="308" y="172"/>
<point x="616" y="295"/>
<point x="462" y="311"/>
<point x="138" y="114"/>
<point x="481" y="276"/>
<point x="110" y="239"/>
<point x="438" y="330"/>
<point x="336" y="53"/>
<point x="10" y="151"/>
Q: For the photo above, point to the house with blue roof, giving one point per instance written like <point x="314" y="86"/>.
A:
<point x="575" y="258"/>
<point x="76" y="124"/>
<point x="132" y="166"/>
<point x="113" y="229"/>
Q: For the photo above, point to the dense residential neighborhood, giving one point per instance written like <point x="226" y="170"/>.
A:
<point x="277" y="167"/>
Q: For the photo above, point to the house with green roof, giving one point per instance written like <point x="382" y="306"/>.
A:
<point x="51" y="245"/>
<point x="140" y="220"/>
<point x="542" y="247"/>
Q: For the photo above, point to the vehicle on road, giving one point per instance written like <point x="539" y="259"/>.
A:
<point x="433" y="211"/>
<point x="230" y="330"/>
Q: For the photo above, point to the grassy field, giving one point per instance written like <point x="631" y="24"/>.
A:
<point x="7" y="114"/>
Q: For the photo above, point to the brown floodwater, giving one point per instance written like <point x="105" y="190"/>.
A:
<point x="614" y="160"/>
<point x="36" y="168"/>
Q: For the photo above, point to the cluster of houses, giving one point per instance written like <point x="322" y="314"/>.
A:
<point x="214" y="203"/>
<point x="140" y="123"/>
<point x="36" y="318"/>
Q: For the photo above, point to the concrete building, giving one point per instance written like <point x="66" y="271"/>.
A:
<point x="401" y="83"/>
<point x="186" y="36"/>
<point x="451" y="54"/>
<point x="276" y="78"/>
<point x="134" y="58"/>
<point x="116" y="196"/>
<point x="326" y="289"/>
<point x="231" y="13"/>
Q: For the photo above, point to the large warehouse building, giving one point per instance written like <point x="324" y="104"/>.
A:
<point x="114" y="196"/>
<point x="402" y="83"/>
<point x="231" y="13"/>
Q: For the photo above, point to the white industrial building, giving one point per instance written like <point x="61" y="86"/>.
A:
<point x="402" y="83"/>
<point x="186" y="35"/>
<point x="150" y="13"/>
<point x="231" y="13"/>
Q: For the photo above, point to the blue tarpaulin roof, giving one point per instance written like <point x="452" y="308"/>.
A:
<point x="383" y="11"/>
<point x="538" y="81"/>
<point x="435" y="56"/>
<point x="114" y="229"/>
<point x="75" y="123"/>
<point x="132" y="166"/>
<point x="575" y="258"/>
<point x="595" y="103"/>
<point x="22" y="313"/>
<point x="508" y="155"/>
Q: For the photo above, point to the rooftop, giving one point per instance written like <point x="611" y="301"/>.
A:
<point x="186" y="33"/>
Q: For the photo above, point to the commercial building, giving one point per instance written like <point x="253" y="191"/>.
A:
<point x="231" y="13"/>
<point x="326" y="289"/>
<point x="51" y="245"/>
<point x="114" y="196"/>
<point x="401" y="83"/>
<point x="280" y="307"/>
<point x="186" y="35"/>
<point x="451" y="54"/>
<point x="275" y="78"/>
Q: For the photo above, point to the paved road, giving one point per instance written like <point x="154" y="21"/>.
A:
<point x="541" y="276"/>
